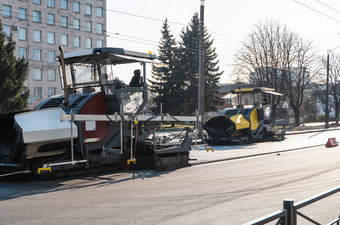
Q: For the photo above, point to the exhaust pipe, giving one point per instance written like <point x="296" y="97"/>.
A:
<point x="63" y="70"/>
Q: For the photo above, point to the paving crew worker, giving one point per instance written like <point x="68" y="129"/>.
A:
<point x="136" y="80"/>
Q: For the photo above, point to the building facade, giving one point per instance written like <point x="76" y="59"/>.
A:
<point x="39" y="27"/>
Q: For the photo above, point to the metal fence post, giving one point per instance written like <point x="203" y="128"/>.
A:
<point x="291" y="212"/>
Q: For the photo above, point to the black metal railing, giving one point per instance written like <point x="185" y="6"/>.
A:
<point x="336" y="221"/>
<point x="288" y="215"/>
<point x="281" y="215"/>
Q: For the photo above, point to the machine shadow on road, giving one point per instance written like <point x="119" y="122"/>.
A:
<point x="317" y="133"/>
<point x="21" y="186"/>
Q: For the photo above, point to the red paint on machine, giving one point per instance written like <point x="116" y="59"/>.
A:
<point x="97" y="106"/>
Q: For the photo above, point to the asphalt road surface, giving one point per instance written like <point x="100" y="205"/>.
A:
<point x="230" y="192"/>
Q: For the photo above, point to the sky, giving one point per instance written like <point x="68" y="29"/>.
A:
<point x="136" y="24"/>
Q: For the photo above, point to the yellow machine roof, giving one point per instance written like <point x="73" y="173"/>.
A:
<point x="255" y="90"/>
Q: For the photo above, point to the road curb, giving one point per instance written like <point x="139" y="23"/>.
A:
<point x="253" y="155"/>
<point x="310" y="131"/>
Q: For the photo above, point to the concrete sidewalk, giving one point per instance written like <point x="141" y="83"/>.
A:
<point x="295" y="140"/>
<point x="308" y="129"/>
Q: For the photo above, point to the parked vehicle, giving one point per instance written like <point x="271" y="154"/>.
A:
<point x="249" y="121"/>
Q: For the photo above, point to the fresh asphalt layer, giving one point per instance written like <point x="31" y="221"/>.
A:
<point x="294" y="140"/>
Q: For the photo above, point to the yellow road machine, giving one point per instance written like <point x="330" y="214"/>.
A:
<point x="248" y="121"/>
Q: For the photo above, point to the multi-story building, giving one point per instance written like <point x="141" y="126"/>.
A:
<point x="39" y="27"/>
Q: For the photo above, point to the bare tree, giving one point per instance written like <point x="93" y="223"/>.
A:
<point x="275" y="57"/>
<point x="263" y="56"/>
<point x="334" y="82"/>
<point x="306" y="65"/>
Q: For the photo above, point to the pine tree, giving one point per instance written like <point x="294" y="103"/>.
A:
<point x="12" y="76"/>
<point x="211" y="76"/>
<point x="187" y="65"/>
<point x="162" y="84"/>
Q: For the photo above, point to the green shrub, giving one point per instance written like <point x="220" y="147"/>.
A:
<point x="320" y="118"/>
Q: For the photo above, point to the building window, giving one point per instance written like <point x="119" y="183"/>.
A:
<point x="38" y="92"/>
<point x="50" y="19"/>
<point x="22" y="33"/>
<point x="51" y="56"/>
<point x="88" y="9"/>
<point x="36" y="35"/>
<point x="88" y="26"/>
<point x="63" y="4"/>
<point x="7" y="11"/>
<point x="76" y="6"/>
<point x="76" y="41"/>
<point x="51" y="75"/>
<point x="37" y="55"/>
<point x="52" y="91"/>
<point x="99" y="43"/>
<point x="64" y="21"/>
<point x="37" y="2"/>
<point x="37" y="16"/>
<point x="64" y="39"/>
<point x="7" y="30"/>
<point x="22" y="14"/>
<point x="99" y="28"/>
<point x="100" y="11"/>
<point x="88" y="43"/>
<point x="76" y="24"/>
<point x="22" y="52"/>
<point x="50" y="3"/>
<point x="37" y="74"/>
<point x="50" y="38"/>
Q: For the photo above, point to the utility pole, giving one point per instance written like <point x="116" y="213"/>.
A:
<point x="327" y="91"/>
<point x="201" y="70"/>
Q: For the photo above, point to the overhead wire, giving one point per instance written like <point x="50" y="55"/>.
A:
<point x="331" y="8"/>
<point x="170" y="22"/>
<point x="176" y="23"/>
<point x="160" y="20"/>
<point x="321" y="13"/>
<point x="144" y="17"/>
<point x="222" y="35"/>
